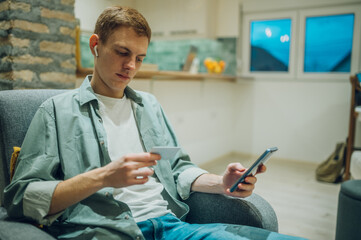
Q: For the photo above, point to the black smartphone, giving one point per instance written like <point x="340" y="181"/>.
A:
<point x="253" y="169"/>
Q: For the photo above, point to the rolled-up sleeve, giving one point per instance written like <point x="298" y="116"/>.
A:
<point x="37" y="200"/>
<point x="186" y="179"/>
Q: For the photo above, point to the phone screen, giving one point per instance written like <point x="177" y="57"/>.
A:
<point x="253" y="169"/>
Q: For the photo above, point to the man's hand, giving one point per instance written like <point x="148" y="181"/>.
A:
<point x="233" y="172"/>
<point x="130" y="170"/>
<point x="211" y="183"/>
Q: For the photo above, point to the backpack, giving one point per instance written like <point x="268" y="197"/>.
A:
<point x="332" y="168"/>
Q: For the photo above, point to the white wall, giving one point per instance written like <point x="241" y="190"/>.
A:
<point x="201" y="113"/>
<point x="304" y="118"/>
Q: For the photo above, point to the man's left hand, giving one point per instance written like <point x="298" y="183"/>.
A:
<point x="233" y="172"/>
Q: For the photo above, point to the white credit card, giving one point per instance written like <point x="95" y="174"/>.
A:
<point x="165" y="152"/>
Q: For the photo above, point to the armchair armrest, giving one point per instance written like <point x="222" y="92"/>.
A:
<point x="19" y="231"/>
<point x="215" y="208"/>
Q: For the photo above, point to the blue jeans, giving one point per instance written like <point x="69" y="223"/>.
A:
<point x="170" y="227"/>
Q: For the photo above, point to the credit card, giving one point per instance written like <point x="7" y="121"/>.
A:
<point x="165" y="152"/>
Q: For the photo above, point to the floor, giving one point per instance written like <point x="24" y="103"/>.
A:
<point x="304" y="206"/>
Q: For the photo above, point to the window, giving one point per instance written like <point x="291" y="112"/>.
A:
<point x="308" y="43"/>
<point x="270" y="45"/>
<point x="329" y="46"/>
<point x="328" y="43"/>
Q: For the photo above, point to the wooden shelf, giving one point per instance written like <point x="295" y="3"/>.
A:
<point x="356" y="89"/>
<point x="183" y="76"/>
<point x="166" y="75"/>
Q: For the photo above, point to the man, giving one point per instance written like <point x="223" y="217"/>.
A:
<point x="84" y="169"/>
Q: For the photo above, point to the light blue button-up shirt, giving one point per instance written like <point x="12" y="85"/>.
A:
<point x="67" y="138"/>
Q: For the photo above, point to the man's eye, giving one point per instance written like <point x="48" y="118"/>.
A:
<point x="139" y="60"/>
<point x="122" y="53"/>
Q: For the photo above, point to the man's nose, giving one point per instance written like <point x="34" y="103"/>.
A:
<point x="130" y="63"/>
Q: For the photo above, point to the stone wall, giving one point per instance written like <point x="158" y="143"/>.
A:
<point x="37" y="44"/>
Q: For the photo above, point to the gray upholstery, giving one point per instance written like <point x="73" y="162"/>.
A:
<point x="10" y="230"/>
<point x="214" y="208"/>
<point x="349" y="211"/>
<point x="17" y="108"/>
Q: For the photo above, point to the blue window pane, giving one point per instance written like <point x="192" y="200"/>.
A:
<point x="328" y="43"/>
<point x="270" y="45"/>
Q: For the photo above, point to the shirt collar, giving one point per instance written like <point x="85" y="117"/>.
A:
<point x="86" y="93"/>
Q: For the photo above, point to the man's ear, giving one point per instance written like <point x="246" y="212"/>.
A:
<point x="93" y="41"/>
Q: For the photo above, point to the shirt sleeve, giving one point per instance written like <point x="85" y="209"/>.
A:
<point x="37" y="200"/>
<point x="186" y="179"/>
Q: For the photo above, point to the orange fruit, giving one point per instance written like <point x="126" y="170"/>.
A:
<point x="222" y="64"/>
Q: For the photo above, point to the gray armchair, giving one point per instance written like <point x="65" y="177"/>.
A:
<point x="17" y="108"/>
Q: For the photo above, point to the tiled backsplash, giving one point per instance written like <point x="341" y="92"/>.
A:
<point x="170" y="55"/>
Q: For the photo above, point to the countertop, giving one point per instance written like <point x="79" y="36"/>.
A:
<point x="166" y="75"/>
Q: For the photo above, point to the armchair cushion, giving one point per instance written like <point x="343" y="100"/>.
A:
<point x="10" y="230"/>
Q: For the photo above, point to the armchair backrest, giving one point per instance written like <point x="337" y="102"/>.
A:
<point x="17" y="109"/>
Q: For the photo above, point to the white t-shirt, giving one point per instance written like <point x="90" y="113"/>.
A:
<point x="145" y="201"/>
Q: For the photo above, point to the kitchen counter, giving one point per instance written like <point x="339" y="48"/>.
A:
<point x="167" y="75"/>
<point x="159" y="75"/>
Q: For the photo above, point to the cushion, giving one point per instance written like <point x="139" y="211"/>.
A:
<point x="13" y="160"/>
<point x="352" y="189"/>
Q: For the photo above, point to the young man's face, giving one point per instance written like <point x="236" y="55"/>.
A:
<point x="118" y="61"/>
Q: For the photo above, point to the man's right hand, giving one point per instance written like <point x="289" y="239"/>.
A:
<point x="130" y="170"/>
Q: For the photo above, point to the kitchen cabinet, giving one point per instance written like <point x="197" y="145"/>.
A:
<point x="179" y="19"/>
<point x="228" y="18"/>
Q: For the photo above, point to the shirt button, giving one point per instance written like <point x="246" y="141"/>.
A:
<point x="100" y="120"/>
<point x="126" y="218"/>
<point x="138" y="238"/>
<point x="107" y="194"/>
<point x="101" y="142"/>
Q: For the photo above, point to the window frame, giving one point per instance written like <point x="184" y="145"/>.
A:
<point x="246" y="49"/>
<point x="355" y="53"/>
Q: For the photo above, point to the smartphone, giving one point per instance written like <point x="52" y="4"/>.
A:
<point x="253" y="169"/>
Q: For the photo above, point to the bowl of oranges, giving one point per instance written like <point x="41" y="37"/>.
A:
<point x="214" y="66"/>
